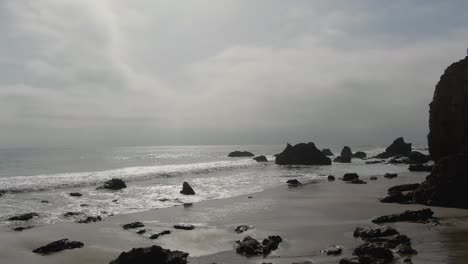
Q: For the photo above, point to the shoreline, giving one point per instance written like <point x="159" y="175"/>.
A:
<point x="310" y="217"/>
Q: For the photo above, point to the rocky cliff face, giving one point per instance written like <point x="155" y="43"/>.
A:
<point x="448" y="120"/>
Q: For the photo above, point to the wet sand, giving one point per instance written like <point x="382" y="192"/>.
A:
<point x="309" y="218"/>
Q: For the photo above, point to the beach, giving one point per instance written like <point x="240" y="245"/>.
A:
<point x="309" y="218"/>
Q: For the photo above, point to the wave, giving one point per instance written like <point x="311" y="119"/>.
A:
<point x="43" y="182"/>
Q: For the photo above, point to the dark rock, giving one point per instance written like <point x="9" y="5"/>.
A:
<point x="44" y="201"/>
<point x="420" y="216"/>
<point x="163" y="233"/>
<point x="133" y="225"/>
<point x="57" y="246"/>
<point x="398" y="161"/>
<point x="406" y="249"/>
<point x="350" y="176"/>
<point x="448" y="114"/>
<point x="184" y="227"/>
<point x="251" y="247"/>
<point x="390" y="241"/>
<point x="420" y="167"/>
<point x="375" y="252"/>
<point x="76" y="194"/>
<point x="374" y="162"/>
<point x="360" y="155"/>
<point x="416" y="157"/>
<point x="390" y="175"/>
<point x="331" y="178"/>
<point x="114" y="184"/>
<point x="373" y="232"/>
<point x="447" y="183"/>
<point x="141" y="231"/>
<point x="90" y="219"/>
<point x="345" y="156"/>
<point x="250" y="197"/>
<point x="327" y="152"/>
<point x="293" y="182"/>
<point x="240" y="154"/>
<point x="242" y="228"/>
<point x="302" y="154"/>
<point x="373" y="178"/>
<point x="332" y="250"/>
<point x="22" y="228"/>
<point x="260" y="159"/>
<point x="357" y="181"/>
<point x="84" y="205"/>
<point x="398" y="148"/>
<point x="398" y="197"/>
<point x="187" y="189"/>
<point x="23" y="217"/>
<point x="70" y="214"/>
<point x="353" y="260"/>
<point x="151" y="255"/>
<point x="404" y="187"/>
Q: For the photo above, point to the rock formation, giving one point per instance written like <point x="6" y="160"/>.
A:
<point x="261" y="159"/>
<point x="187" y="189"/>
<point x="240" y="154"/>
<point x="154" y="254"/>
<point x="345" y="156"/>
<point x="398" y="148"/>
<point x="302" y="154"/>
<point x="360" y="155"/>
<point x="114" y="184"/>
<point x="327" y="152"/>
<point x="57" y="246"/>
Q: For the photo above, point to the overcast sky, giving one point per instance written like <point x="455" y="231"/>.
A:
<point x="145" y="72"/>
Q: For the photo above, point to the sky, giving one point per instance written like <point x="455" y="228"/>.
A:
<point x="145" y="72"/>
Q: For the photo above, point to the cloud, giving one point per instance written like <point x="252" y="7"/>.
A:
<point x="204" y="72"/>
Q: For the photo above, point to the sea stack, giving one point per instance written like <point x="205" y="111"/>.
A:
<point x="302" y="154"/>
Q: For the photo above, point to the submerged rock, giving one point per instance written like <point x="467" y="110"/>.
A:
<point x="260" y="159"/>
<point x="420" y="167"/>
<point x="114" y="184"/>
<point x="345" y="156"/>
<point x="23" y="217"/>
<point x="240" y="154"/>
<point x="419" y="216"/>
<point x="133" y="225"/>
<point x="398" y="148"/>
<point x="327" y="152"/>
<point x="350" y="176"/>
<point x="360" y="155"/>
<point x="184" y="227"/>
<point x="302" y="154"/>
<point x="187" y="189"/>
<point x="57" y="246"/>
<point x="141" y="231"/>
<point x="151" y="255"/>
<point x="252" y="247"/>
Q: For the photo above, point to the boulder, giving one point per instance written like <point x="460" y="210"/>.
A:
<point x="57" y="246"/>
<point x="163" y="233"/>
<point x="345" y="156"/>
<point x="184" y="227"/>
<point x="420" y="167"/>
<point x="150" y="255"/>
<point x="374" y="252"/>
<point x="448" y="114"/>
<point x="293" y="182"/>
<point x="240" y="154"/>
<point x="260" y="159"/>
<point x="416" y="157"/>
<point x="113" y="184"/>
<point x="141" y="231"/>
<point x="187" y="189"/>
<point x="360" y="155"/>
<point x="331" y="178"/>
<point x="302" y="154"/>
<point x="252" y="247"/>
<point x="373" y="178"/>
<point x="327" y="152"/>
<point x="332" y="251"/>
<point x="76" y="194"/>
<point x="419" y="216"/>
<point x="447" y="183"/>
<point x="350" y="176"/>
<point x="133" y="225"/>
<point x="23" y="217"/>
<point x="398" y="148"/>
<point x="390" y="175"/>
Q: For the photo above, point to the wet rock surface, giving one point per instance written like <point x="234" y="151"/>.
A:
<point x="75" y="194"/>
<point x="163" y="233"/>
<point x="419" y="216"/>
<point x="302" y="154"/>
<point x="184" y="227"/>
<point x="390" y="175"/>
<point x="350" y="176"/>
<point x="261" y="159"/>
<point x="332" y="251"/>
<point x="151" y="255"/>
<point x="90" y="219"/>
<point x="252" y="247"/>
<point x="360" y="155"/>
<point x="57" y="246"/>
<point x="113" y="184"/>
<point x="293" y="182"/>
<point x="242" y="228"/>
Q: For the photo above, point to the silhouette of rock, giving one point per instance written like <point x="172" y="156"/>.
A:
<point x="360" y="155"/>
<point x="327" y="152"/>
<point x="260" y="159"/>
<point x="163" y="233"/>
<point x="187" y="189"/>
<point x="113" y="184"/>
<point x="76" y="194"/>
<point x="419" y="216"/>
<point x="252" y="247"/>
<point x="293" y="182"/>
<point x="390" y="175"/>
<point x="398" y="148"/>
<point x="57" y="246"/>
<point x="350" y="176"/>
<point x="302" y="154"/>
<point x="345" y="156"/>
<point x="150" y="255"/>
<point x="184" y="227"/>
<point x="240" y="154"/>
<point x="416" y="157"/>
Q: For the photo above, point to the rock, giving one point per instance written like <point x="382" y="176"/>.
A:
<point x="420" y="167"/>
<point x="448" y="114"/>
<point x="84" y="205"/>
<point x="184" y="227"/>
<point x="23" y="217"/>
<point x="293" y="182"/>
<point x="360" y="155"/>
<point x="331" y="178"/>
<point x="357" y="181"/>
<point x="240" y="154"/>
<point x="133" y="225"/>
<point x="416" y="157"/>
<point x="187" y="189"/>
<point x="76" y="194"/>
<point x="327" y="152"/>
<point x="374" y="232"/>
<point x="22" y="228"/>
<point x="374" y="162"/>
<point x="260" y="159"/>
<point x="302" y="154"/>
<point x="150" y="255"/>
<point x="420" y="216"/>
<point x="163" y="233"/>
<point x="398" y="197"/>
<point x="251" y="247"/>
<point x="141" y="231"/>
<point x="44" y="201"/>
<point x="353" y="260"/>
<point x="90" y="219"/>
<point x="390" y="241"/>
<point x="447" y="183"/>
<point x="332" y="251"/>
<point x="390" y="175"/>
<point x="404" y="187"/>
<point x="398" y="148"/>
<point x="373" y="178"/>
<point x="70" y="214"/>
<point x="345" y="156"/>
<point x="114" y="184"/>
<point x="350" y="176"/>
<point x="398" y="160"/>
<point x="187" y="205"/>
<point x="375" y="252"/>
<point x="57" y="246"/>
<point x="242" y="228"/>
<point x="406" y="249"/>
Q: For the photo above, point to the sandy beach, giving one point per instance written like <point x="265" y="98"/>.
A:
<point x="309" y="218"/>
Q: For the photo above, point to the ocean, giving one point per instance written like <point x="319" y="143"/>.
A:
<point x="154" y="176"/>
